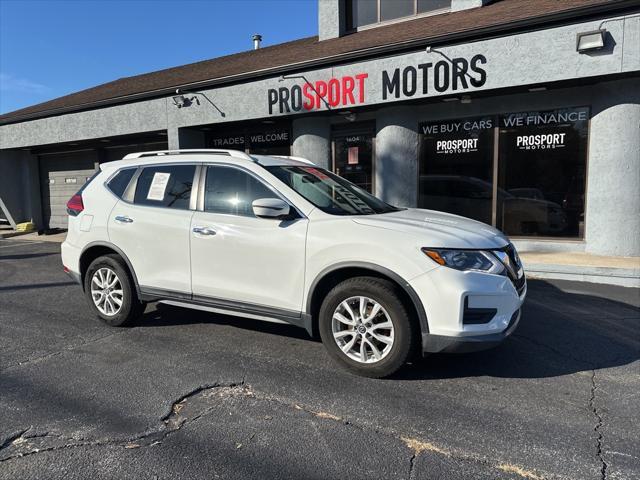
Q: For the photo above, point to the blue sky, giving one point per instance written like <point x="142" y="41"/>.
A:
<point x="49" y="48"/>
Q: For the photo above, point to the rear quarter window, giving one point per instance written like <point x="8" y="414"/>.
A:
<point x="118" y="184"/>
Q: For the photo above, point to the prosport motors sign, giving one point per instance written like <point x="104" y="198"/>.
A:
<point x="401" y="83"/>
<point x="544" y="130"/>
<point x="458" y="136"/>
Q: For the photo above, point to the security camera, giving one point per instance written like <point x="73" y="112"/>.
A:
<point x="428" y="49"/>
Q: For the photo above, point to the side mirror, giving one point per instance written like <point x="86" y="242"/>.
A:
<point x="270" y="208"/>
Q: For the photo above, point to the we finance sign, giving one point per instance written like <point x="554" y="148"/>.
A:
<point x="448" y="75"/>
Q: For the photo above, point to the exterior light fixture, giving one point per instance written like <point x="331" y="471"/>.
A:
<point x="450" y="99"/>
<point x="182" y="101"/>
<point x="537" y="89"/>
<point x="179" y="101"/>
<point x="590" y="41"/>
<point x="465" y="99"/>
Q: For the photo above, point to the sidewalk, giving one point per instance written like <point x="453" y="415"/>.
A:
<point x="584" y="267"/>
<point x="33" y="236"/>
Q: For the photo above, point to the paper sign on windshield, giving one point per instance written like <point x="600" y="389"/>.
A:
<point x="158" y="186"/>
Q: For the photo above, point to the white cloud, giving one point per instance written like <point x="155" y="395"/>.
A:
<point x="9" y="83"/>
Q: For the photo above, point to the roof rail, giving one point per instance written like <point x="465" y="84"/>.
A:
<point x="231" y="153"/>
<point x="299" y="159"/>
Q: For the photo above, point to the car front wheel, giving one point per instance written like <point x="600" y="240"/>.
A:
<point x="365" y="326"/>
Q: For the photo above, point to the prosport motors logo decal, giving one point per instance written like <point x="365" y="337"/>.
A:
<point x="462" y="145"/>
<point x="541" y="141"/>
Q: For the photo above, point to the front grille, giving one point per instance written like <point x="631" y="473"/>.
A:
<point x="513" y="267"/>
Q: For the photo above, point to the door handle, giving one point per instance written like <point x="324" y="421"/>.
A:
<point x="204" y="230"/>
<point x="124" y="219"/>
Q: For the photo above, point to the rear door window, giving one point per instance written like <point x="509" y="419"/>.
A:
<point x="166" y="186"/>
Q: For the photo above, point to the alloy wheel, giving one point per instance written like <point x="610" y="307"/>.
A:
<point x="362" y="329"/>
<point x="106" y="291"/>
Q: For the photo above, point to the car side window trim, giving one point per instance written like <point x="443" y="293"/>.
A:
<point x="202" y="189"/>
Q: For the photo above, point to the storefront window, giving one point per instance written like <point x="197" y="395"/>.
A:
<point x="456" y="167"/>
<point x="542" y="165"/>
<point x="538" y="158"/>
<point x="353" y="159"/>
<point x="260" y="140"/>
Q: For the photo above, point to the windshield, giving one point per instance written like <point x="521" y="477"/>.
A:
<point x="330" y="193"/>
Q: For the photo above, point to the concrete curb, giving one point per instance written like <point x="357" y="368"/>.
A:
<point x="625" y="277"/>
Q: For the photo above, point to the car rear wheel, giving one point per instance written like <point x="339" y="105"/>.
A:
<point x="110" y="291"/>
<point x="365" y="326"/>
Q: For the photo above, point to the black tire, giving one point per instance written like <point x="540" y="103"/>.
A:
<point x="385" y="293"/>
<point x="131" y="307"/>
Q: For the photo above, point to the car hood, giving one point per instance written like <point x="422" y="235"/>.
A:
<point x="438" y="229"/>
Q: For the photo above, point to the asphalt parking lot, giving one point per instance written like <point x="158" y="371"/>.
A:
<point x="186" y="394"/>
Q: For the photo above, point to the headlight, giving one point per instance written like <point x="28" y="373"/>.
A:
<point x="465" y="260"/>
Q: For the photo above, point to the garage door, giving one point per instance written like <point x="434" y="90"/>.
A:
<point x="62" y="175"/>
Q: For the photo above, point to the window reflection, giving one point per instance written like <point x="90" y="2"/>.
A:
<point x="456" y="167"/>
<point x="542" y="164"/>
<point x="541" y="170"/>
<point x="232" y="191"/>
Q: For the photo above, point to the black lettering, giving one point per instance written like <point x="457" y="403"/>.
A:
<point x="460" y="67"/>
<point x="391" y="86"/>
<point x="296" y="98"/>
<point x="273" y="98"/>
<point x="441" y="76"/>
<point x="409" y="81"/>
<point x="424" y="67"/>
<point x="475" y="60"/>
<point x="283" y="94"/>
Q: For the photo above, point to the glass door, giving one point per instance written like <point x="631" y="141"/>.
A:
<point x="353" y="155"/>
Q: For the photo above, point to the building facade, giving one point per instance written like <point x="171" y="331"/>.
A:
<point x="524" y="115"/>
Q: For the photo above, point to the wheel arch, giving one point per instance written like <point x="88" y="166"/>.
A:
<point x="97" y="249"/>
<point x="331" y="276"/>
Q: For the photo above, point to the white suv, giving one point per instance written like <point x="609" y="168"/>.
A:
<point x="280" y="239"/>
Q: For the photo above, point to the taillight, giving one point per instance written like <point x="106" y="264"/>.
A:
<point x="75" y="205"/>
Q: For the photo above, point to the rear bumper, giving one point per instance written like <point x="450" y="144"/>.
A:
<point x="74" y="276"/>
<point x="469" y="343"/>
<point x="70" y="256"/>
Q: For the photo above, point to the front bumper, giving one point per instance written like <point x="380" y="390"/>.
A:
<point x="467" y="311"/>
<point x="470" y="343"/>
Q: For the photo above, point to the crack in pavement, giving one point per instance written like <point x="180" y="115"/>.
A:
<point x="22" y="444"/>
<point x="592" y="402"/>
<point x="202" y="400"/>
<point x="65" y="349"/>
<point x="598" y="426"/>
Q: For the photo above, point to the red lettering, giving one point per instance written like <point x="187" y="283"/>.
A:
<point x="360" y="78"/>
<point x="347" y="91"/>
<point x="334" y="92"/>
<point x="306" y="91"/>
<point x="321" y="92"/>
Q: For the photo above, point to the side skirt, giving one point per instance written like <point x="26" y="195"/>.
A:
<point x="228" y="307"/>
